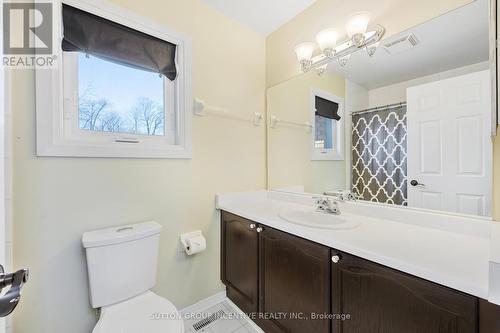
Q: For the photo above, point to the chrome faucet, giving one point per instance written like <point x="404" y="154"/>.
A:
<point x="327" y="205"/>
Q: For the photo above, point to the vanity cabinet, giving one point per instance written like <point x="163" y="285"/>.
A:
<point x="282" y="280"/>
<point x="294" y="279"/>
<point x="380" y="299"/>
<point x="281" y="277"/>
<point x="239" y="261"/>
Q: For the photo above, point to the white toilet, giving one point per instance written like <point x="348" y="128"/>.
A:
<point x="121" y="265"/>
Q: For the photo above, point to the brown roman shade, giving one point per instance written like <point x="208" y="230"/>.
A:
<point x="326" y="108"/>
<point x="94" y="35"/>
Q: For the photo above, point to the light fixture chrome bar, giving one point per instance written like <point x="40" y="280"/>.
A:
<point x="346" y="48"/>
<point x="378" y="108"/>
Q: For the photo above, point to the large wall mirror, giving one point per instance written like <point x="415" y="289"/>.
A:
<point x="409" y="125"/>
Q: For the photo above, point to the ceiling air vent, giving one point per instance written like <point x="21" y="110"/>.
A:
<point x="401" y="44"/>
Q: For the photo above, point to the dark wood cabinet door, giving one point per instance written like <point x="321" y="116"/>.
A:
<point x="382" y="300"/>
<point x="239" y="261"/>
<point x="294" y="283"/>
<point x="489" y="317"/>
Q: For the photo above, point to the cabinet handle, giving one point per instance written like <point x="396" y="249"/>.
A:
<point x="335" y="259"/>
<point x="260" y="229"/>
<point x="252" y="226"/>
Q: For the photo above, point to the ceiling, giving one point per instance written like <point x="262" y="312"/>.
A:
<point x="262" y="16"/>
<point x="453" y="40"/>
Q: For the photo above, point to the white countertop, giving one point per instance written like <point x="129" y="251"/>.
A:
<point x="453" y="251"/>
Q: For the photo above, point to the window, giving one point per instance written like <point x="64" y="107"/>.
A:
<point x="109" y="101"/>
<point x="327" y="112"/>
<point x="100" y="104"/>
<point x="324" y="132"/>
<point x="134" y="106"/>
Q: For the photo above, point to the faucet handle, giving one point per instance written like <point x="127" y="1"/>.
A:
<point x="318" y="200"/>
<point x="351" y="196"/>
<point x="346" y="196"/>
<point x="334" y="208"/>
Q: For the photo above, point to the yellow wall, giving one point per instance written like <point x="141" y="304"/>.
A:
<point x="394" y="15"/>
<point x="289" y="159"/>
<point x="57" y="199"/>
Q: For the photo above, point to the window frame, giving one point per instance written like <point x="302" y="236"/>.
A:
<point x="338" y="133"/>
<point x="55" y="134"/>
<point x="72" y="115"/>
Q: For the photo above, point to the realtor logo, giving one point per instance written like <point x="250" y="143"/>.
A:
<point x="28" y="34"/>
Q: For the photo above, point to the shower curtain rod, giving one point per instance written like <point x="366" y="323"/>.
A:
<point x="385" y="107"/>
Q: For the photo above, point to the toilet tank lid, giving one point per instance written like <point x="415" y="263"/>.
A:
<point x="120" y="234"/>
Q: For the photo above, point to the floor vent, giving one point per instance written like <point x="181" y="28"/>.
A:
<point x="207" y="321"/>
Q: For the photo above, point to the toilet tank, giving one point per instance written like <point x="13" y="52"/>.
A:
<point x="121" y="261"/>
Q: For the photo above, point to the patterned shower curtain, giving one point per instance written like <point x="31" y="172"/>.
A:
<point x="379" y="161"/>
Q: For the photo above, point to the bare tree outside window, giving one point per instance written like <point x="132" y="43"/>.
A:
<point x="148" y="117"/>
<point x="91" y="110"/>
<point x="102" y="107"/>
<point x="112" y="122"/>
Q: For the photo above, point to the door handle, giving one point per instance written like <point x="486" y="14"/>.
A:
<point x="252" y="226"/>
<point x="260" y="229"/>
<point x="336" y="259"/>
<point x="10" y="299"/>
<point x="416" y="183"/>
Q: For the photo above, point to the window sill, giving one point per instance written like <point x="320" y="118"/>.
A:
<point x="115" y="150"/>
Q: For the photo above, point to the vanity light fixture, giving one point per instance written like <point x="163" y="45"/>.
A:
<point x="359" y="38"/>
<point x="321" y="70"/>
<point x="344" y="60"/>
<point x="304" y="52"/>
<point x="356" y="27"/>
<point x="370" y="50"/>
<point x="327" y="40"/>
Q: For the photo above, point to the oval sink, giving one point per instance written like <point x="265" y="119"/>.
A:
<point x="318" y="220"/>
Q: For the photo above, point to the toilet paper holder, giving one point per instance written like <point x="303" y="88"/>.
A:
<point x="193" y="242"/>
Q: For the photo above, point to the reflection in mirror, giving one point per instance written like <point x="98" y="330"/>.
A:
<point x="406" y="125"/>
<point x="306" y="151"/>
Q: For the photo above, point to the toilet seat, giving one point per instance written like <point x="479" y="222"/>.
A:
<point x="146" y="313"/>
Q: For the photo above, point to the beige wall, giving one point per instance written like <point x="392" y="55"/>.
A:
<point x="57" y="199"/>
<point x="289" y="147"/>
<point x="394" y="15"/>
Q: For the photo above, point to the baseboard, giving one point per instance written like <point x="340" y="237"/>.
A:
<point x="205" y="303"/>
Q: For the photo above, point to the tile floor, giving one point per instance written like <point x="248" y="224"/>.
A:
<point x="230" y="322"/>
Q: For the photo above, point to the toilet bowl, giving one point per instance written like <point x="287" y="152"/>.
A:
<point x="147" y="313"/>
<point x="122" y="264"/>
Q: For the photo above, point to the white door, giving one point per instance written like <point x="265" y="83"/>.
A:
<point x="449" y="145"/>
